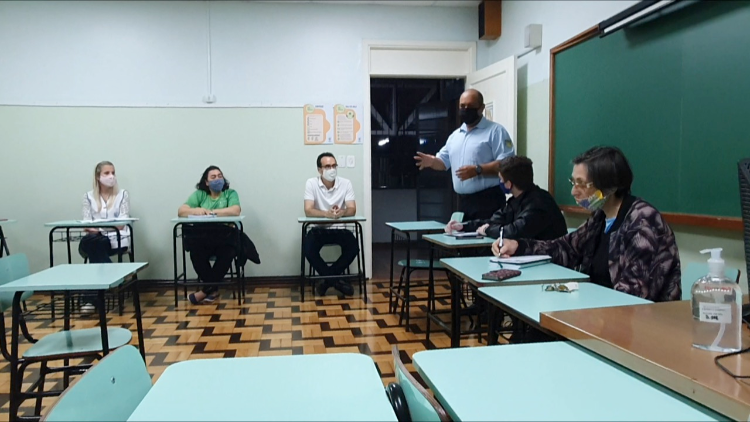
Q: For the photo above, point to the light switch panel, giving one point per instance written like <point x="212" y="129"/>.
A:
<point x="350" y="161"/>
<point x="341" y="161"/>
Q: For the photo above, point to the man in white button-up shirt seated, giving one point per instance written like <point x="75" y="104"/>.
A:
<point x="332" y="197"/>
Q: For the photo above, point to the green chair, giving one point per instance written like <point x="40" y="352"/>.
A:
<point x="695" y="270"/>
<point x="402" y="292"/>
<point x="63" y="345"/>
<point x="420" y="404"/>
<point x="109" y="391"/>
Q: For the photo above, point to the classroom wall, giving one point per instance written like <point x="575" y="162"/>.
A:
<point x="561" y="20"/>
<point x="85" y="81"/>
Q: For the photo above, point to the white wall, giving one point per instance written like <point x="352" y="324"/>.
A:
<point x="155" y="53"/>
<point x="562" y="20"/>
<point x="136" y="54"/>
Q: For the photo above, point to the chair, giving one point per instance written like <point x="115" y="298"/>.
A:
<point x="420" y="404"/>
<point x="109" y="391"/>
<point x="63" y="345"/>
<point x="404" y="292"/>
<point x="695" y="270"/>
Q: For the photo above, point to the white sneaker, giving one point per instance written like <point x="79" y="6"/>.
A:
<point x="88" y="309"/>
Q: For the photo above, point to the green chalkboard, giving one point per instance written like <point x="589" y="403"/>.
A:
<point x="674" y="94"/>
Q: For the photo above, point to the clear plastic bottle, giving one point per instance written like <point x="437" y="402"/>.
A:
<point x="717" y="308"/>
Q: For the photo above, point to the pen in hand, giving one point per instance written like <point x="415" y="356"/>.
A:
<point x="501" y="236"/>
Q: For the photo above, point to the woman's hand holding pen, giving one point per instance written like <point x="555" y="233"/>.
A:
<point x="504" y="249"/>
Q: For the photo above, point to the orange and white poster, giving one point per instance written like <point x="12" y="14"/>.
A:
<point x="317" y="124"/>
<point x="347" y="127"/>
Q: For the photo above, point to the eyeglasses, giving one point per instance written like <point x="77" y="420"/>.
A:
<point x="556" y="288"/>
<point x="579" y="185"/>
<point x="330" y="166"/>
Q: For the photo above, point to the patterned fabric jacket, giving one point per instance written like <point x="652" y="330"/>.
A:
<point x="643" y="256"/>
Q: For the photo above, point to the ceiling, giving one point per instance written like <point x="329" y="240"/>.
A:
<point x="424" y="3"/>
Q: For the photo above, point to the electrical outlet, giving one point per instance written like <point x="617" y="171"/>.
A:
<point x="341" y="161"/>
<point x="350" y="161"/>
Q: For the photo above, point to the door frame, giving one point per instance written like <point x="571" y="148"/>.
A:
<point x="439" y="60"/>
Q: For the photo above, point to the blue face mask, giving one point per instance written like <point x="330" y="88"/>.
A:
<point x="216" y="185"/>
<point x="504" y="189"/>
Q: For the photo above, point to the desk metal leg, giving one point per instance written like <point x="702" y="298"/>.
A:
<point x="138" y="318"/>
<point x="491" y="325"/>
<point x="174" y="259"/>
<point x="407" y="280"/>
<point x="4" y="244"/>
<point x="302" y="264"/>
<point x="103" y="323"/>
<point x="391" y="307"/>
<point x="16" y="384"/>
<point x="361" y="264"/>
<point x="455" y="318"/>
<point x="430" y="292"/>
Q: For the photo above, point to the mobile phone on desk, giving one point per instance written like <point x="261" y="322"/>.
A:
<point x="500" y="275"/>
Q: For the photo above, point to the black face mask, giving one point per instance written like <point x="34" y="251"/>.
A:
<point x="469" y="115"/>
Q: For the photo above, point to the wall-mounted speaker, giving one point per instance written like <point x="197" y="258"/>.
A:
<point x="490" y="19"/>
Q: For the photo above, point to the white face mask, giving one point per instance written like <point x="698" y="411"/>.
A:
<point x="108" y="181"/>
<point x="329" y="175"/>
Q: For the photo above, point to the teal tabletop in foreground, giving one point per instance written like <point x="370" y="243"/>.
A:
<point x="452" y="242"/>
<point x="76" y="277"/>
<point x="325" y="387"/>
<point x="530" y="300"/>
<point x="6" y="222"/>
<point x="80" y="223"/>
<point x="417" y="226"/>
<point x="231" y="219"/>
<point x="546" y="381"/>
<point x="471" y="270"/>
<point x="330" y="220"/>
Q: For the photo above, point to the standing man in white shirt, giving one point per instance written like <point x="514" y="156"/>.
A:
<point x="473" y="151"/>
<point x="330" y="196"/>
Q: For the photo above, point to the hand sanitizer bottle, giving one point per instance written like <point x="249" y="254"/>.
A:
<point x="717" y="307"/>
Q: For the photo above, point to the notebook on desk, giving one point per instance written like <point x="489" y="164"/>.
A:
<point x="202" y="216"/>
<point x="107" y="220"/>
<point x="518" y="262"/>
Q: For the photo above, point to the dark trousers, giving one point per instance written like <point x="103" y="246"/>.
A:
<point x="207" y="242"/>
<point x="316" y="238"/>
<point x="482" y="204"/>
<point x="97" y="249"/>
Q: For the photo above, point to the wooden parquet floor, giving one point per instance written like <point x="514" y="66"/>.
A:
<point x="272" y="321"/>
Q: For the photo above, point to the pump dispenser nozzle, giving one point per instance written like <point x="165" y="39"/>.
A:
<point x="715" y="263"/>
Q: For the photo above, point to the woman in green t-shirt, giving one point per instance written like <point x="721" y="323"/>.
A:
<point x="212" y="197"/>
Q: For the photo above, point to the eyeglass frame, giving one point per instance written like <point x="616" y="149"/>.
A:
<point x="330" y="167"/>
<point x="587" y="185"/>
<point x="556" y="287"/>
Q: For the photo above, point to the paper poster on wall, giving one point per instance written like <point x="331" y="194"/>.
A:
<point x="347" y="128"/>
<point x="317" y="124"/>
<point x="489" y="109"/>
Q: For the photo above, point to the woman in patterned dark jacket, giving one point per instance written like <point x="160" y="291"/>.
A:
<point x="625" y="244"/>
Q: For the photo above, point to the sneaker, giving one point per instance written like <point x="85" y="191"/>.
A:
<point x="211" y="298"/>
<point x="88" y="309"/>
<point x="322" y="287"/>
<point x="344" y="287"/>
<point x="192" y="299"/>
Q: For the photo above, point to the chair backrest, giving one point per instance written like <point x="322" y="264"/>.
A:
<point x="109" y="391"/>
<point x="696" y="270"/>
<point x="422" y="406"/>
<point x="457" y="216"/>
<point x="398" y="401"/>
<point x="12" y="267"/>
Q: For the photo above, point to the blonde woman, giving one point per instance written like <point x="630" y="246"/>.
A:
<point x="105" y="201"/>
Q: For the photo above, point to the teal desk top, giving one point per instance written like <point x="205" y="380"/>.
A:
<point x="323" y="220"/>
<point x="471" y="270"/>
<point x="546" y="381"/>
<point x="451" y="242"/>
<point x="75" y="277"/>
<point x="325" y="387"/>
<point x="530" y="300"/>
<point x="417" y="226"/>
<point x="5" y="222"/>
<point x="232" y="219"/>
<point x="80" y="223"/>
